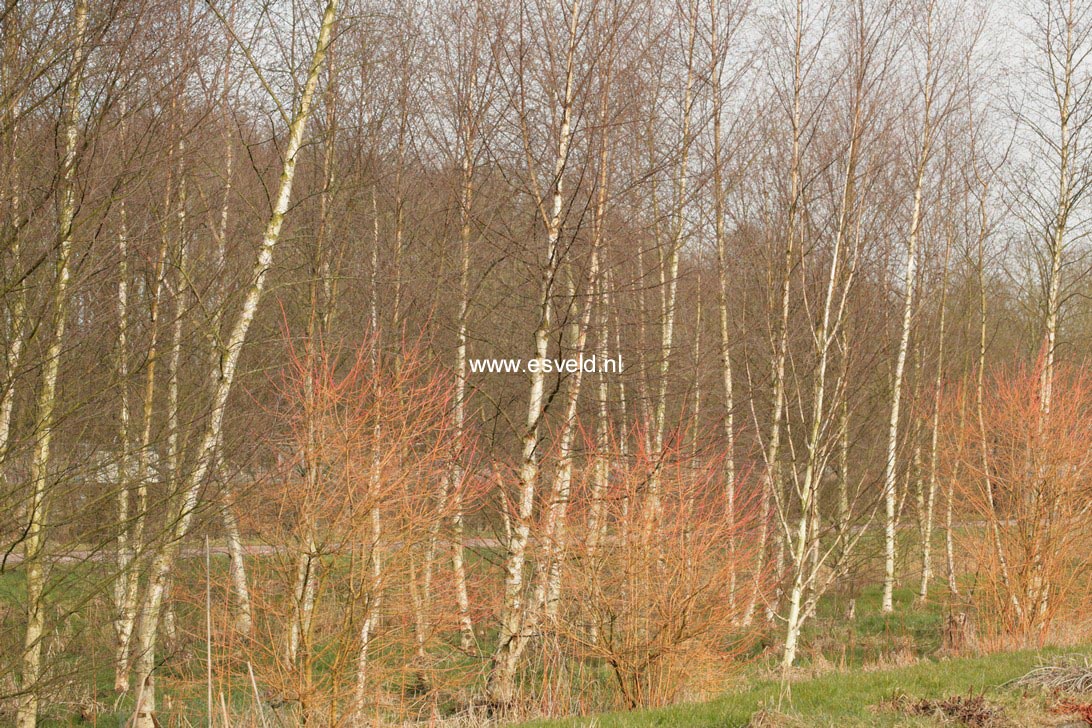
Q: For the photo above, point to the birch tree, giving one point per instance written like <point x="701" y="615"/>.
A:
<point x="801" y="58"/>
<point x="549" y="206"/>
<point x="721" y="35"/>
<point x="937" y="85"/>
<point x="1063" y="38"/>
<point x="37" y="504"/>
<point x="669" y="248"/>
<point x="184" y="509"/>
<point x="472" y="90"/>
<point x="869" y="54"/>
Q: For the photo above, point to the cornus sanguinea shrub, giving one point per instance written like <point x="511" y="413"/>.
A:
<point x="354" y="600"/>
<point x="1023" y="472"/>
<point x="656" y="589"/>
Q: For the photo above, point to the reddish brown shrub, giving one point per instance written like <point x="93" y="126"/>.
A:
<point x="650" y="595"/>
<point x="1025" y="480"/>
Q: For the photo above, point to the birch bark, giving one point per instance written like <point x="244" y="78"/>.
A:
<point x="721" y="243"/>
<point x="166" y="554"/>
<point x="934" y="434"/>
<point x="511" y="636"/>
<point x="772" y="454"/>
<point x="243" y="615"/>
<point x="921" y="162"/>
<point x="37" y="507"/>
<point x="669" y="270"/>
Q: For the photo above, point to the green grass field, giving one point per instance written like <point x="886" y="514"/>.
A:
<point x="849" y="699"/>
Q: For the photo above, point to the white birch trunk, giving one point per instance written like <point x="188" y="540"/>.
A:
<point x="804" y="547"/>
<point x="36" y="513"/>
<point x="511" y="634"/>
<point x="949" y="541"/>
<point x="669" y="277"/>
<point x="722" y="304"/>
<point x="772" y="476"/>
<point x="236" y="561"/>
<point x="1067" y="197"/>
<point x="934" y="436"/>
<point x="375" y="518"/>
<point x="557" y="512"/>
<point x="462" y="599"/>
<point x="127" y="613"/>
<point x="375" y="586"/>
<point x="165" y="556"/>
<point x="980" y="398"/>
<point x="598" y="297"/>
<point x="125" y="554"/>
<point x="890" y="484"/>
<point x="13" y="355"/>
<point x="243" y="613"/>
<point x="804" y="552"/>
<point x="174" y="360"/>
<point x="890" y="489"/>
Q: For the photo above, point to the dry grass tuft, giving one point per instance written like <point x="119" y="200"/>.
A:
<point x="764" y="718"/>
<point x="1070" y="673"/>
<point x="969" y="710"/>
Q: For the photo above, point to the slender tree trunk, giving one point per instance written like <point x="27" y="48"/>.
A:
<point x="934" y="434"/>
<point x="127" y="612"/>
<point x="601" y="463"/>
<point x="949" y="536"/>
<point x="669" y="275"/>
<point x="303" y="589"/>
<point x="125" y="553"/>
<point x="10" y="228"/>
<point x="890" y="485"/>
<point x="1064" y="93"/>
<point x="804" y="551"/>
<point x="599" y="298"/>
<point x="374" y="600"/>
<point x="890" y="489"/>
<point x="511" y="635"/>
<point x="166" y="555"/>
<point x="643" y="413"/>
<point x="719" y="193"/>
<point x="13" y="354"/>
<point x="236" y="558"/>
<point x="844" y="513"/>
<point x="980" y="398"/>
<point x="36" y="513"/>
<point x="243" y="615"/>
<point x="772" y="475"/>
<point x="469" y="125"/>
<point x="375" y="595"/>
<point x="804" y="547"/>
<point x="549" y="590"/>
<point x="462" y="600"/>
<point x="174" y="361"/>
<point x="13" y="357"/>
<point x="318" y="325"/>
<point x="695" y="416"/>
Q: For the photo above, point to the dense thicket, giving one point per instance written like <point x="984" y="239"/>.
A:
<point x="254" y="254"/>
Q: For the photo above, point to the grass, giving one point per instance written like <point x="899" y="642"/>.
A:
<point x="847" y="659"/>
<point x="843" y="699"/>
<point x="846" y="667"/>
